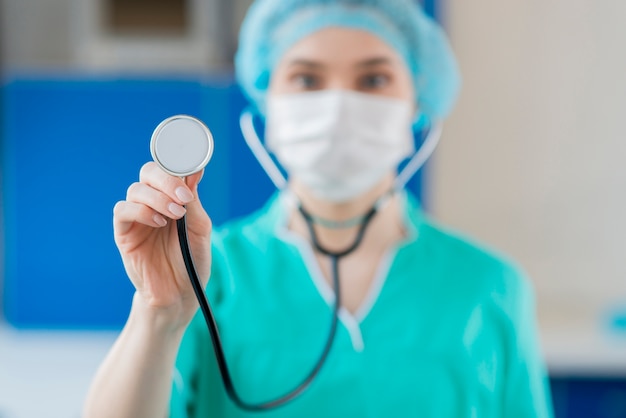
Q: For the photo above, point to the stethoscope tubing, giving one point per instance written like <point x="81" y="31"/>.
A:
<point x="209" y="318"/>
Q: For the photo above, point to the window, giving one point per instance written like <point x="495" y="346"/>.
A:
<point x="147" y="16"/>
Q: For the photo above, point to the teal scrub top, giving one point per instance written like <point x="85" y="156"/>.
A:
<point x="447" y="330"/>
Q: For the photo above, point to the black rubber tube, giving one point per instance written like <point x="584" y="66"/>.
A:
<point x="209" y="318"/>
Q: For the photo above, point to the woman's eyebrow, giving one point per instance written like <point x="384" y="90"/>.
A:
<point x="305" y="63"/>
<point x="373" y="62"/>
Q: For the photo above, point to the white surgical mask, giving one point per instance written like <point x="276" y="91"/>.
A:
<point x="339" y="143"/>
<point x="418" y="159"/>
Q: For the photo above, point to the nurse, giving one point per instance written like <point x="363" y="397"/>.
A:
<point x="430" y="325"/>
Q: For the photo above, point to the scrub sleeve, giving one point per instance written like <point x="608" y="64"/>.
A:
<point x="448" y="331"/>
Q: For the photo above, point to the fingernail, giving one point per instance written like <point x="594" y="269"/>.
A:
<point x="184" y="195"/>
<point x="176" y="210"/>
<point x="159" y="220"/>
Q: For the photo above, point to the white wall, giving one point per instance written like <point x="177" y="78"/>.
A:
<point x="533" y="159"/>
<point x="36" y="33"/>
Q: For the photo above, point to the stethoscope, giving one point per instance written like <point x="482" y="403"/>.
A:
<point x="182" y="145"/>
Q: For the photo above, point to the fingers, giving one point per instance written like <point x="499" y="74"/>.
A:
<point x="127" y="213"/>
<point x="155" y="199"/>
<point x="174" y="187"/>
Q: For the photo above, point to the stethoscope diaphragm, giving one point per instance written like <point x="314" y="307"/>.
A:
<point x="181" y="145"/>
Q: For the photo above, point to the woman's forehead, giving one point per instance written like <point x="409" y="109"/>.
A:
<point x="340" y="45"/>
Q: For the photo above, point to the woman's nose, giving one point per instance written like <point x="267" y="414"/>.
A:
<point x="340" y="83"/>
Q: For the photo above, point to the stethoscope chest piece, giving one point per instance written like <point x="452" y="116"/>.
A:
<point x="181" y="145"/>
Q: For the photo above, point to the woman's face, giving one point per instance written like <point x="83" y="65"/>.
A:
<point x="343" y="59"/>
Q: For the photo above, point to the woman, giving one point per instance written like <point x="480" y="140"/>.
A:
<point x="431" y="325"/>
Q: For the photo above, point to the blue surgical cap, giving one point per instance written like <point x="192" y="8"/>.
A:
<point x="271" y="27"/>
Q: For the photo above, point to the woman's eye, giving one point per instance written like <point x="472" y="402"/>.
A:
<point x="373" y="81"/>
<point x="306" y="81"/>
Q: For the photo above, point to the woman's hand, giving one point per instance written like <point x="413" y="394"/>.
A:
<point x="146" y="236"/>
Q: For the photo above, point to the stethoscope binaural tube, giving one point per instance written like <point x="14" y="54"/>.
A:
<point x="182" y="145"/>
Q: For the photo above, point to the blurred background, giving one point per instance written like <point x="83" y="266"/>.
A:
<point x="530" y="163"/>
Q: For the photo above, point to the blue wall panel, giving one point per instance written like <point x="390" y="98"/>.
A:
<point x="70" y="150"/>
<point x="581" y="397"/>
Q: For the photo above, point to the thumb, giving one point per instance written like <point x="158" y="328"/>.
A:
<point x="192" y="182"/>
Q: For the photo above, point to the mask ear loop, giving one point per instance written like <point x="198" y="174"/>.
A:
<point x="246" y="123"/>
<point x="420" y="157"/>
